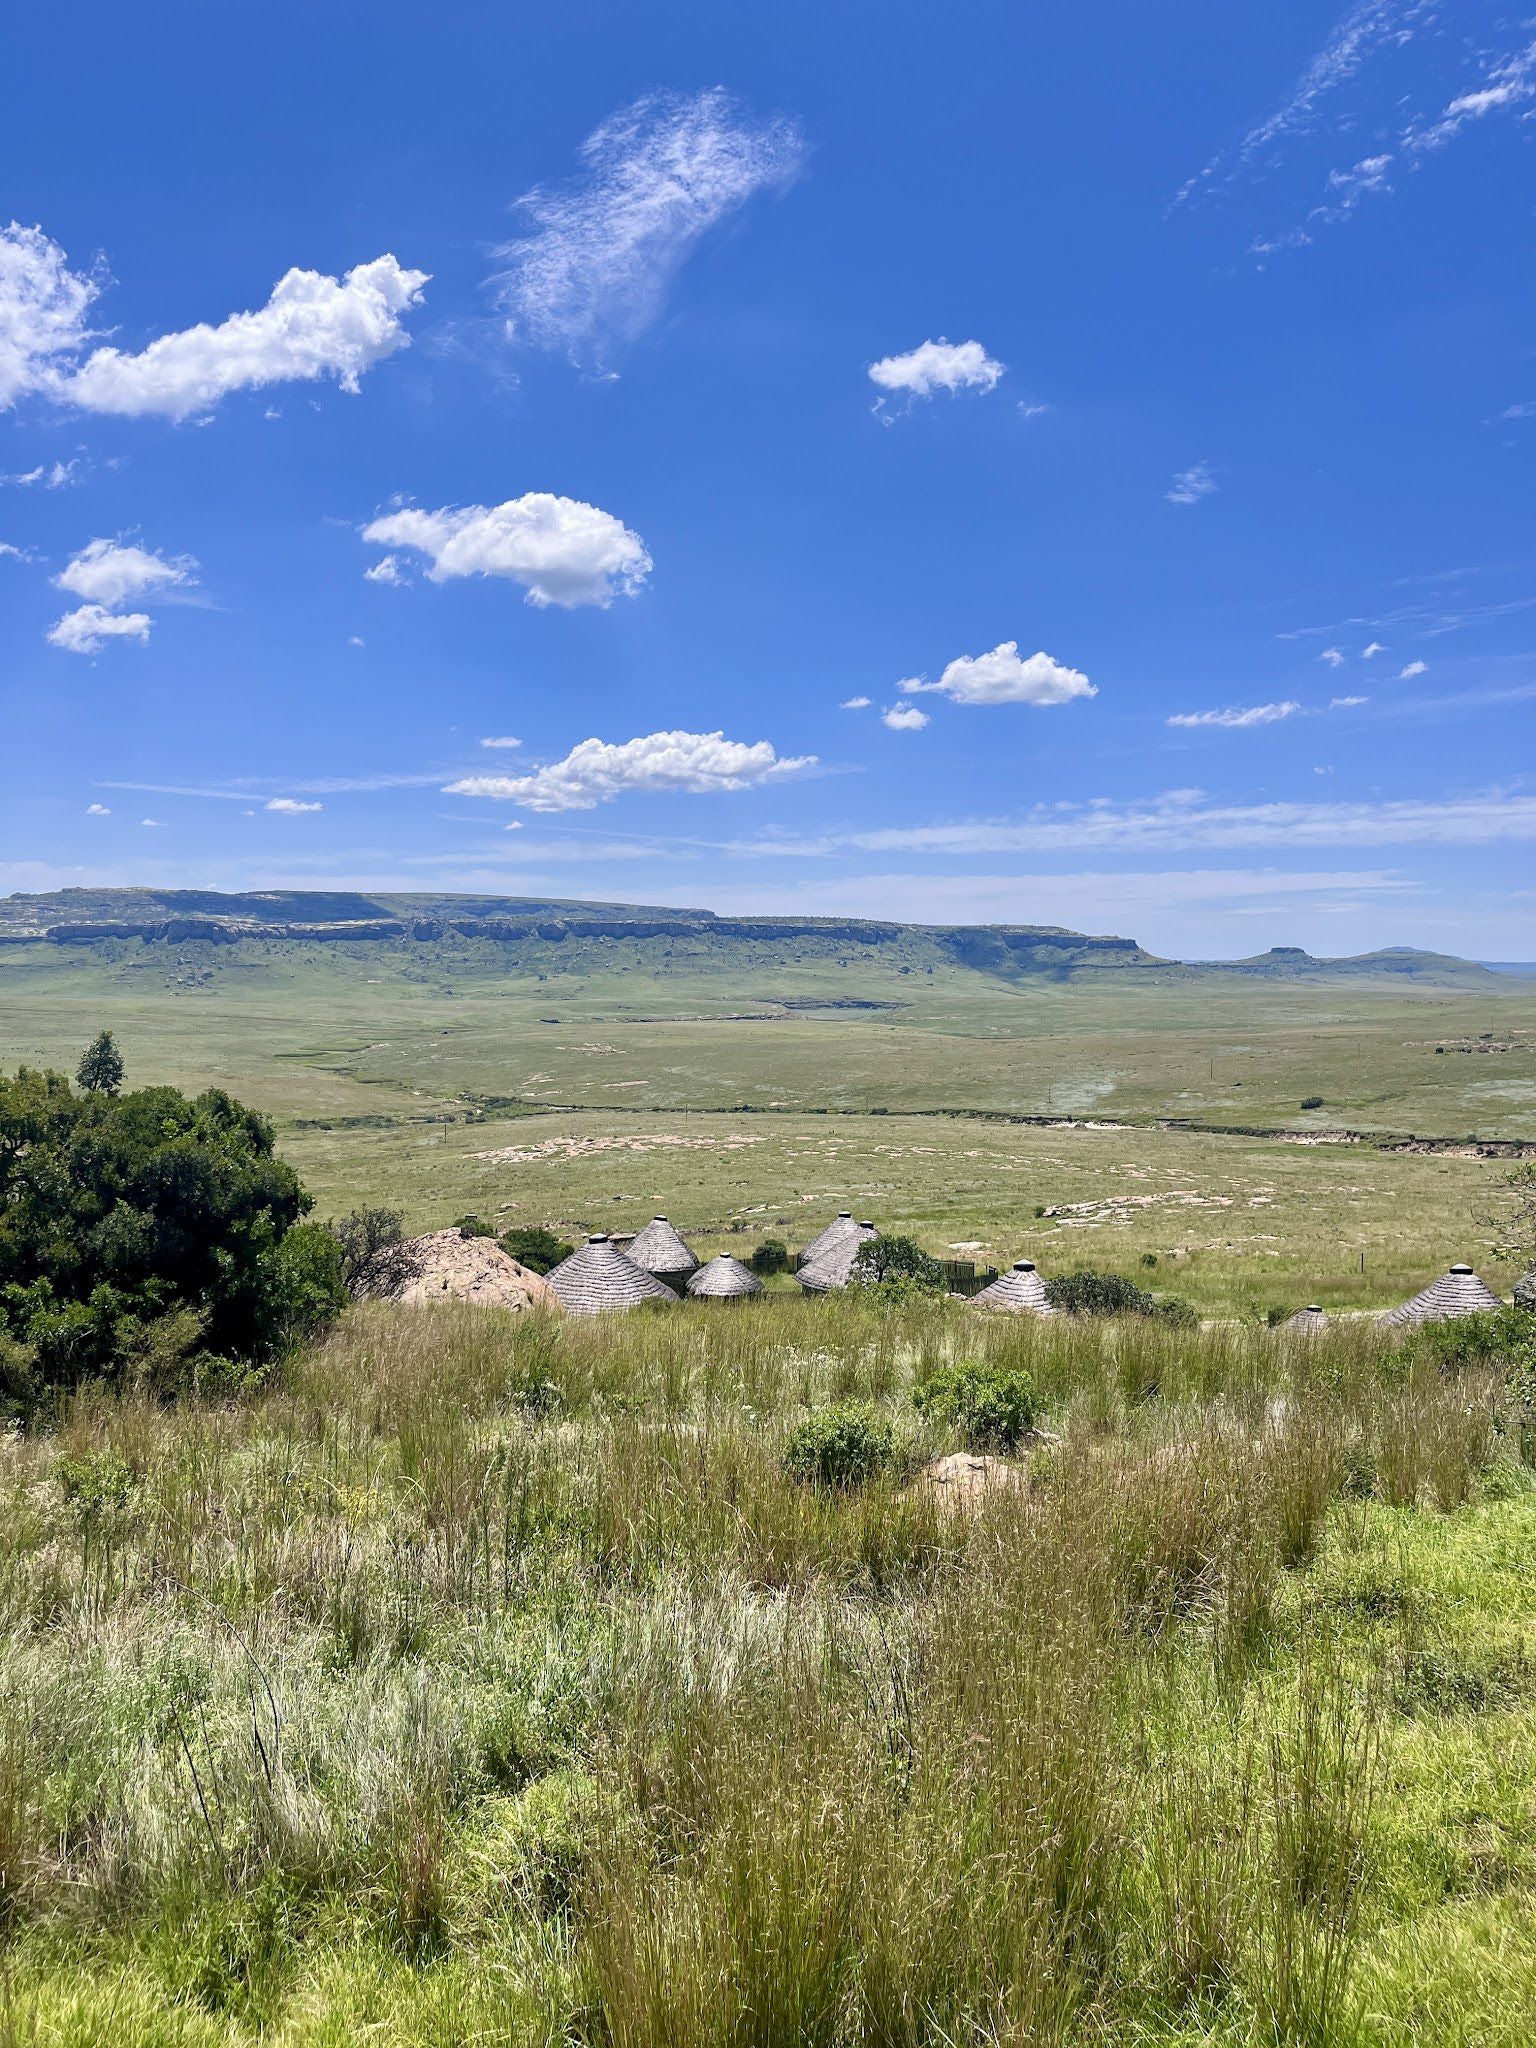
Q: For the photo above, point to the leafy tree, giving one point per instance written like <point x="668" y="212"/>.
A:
<point x="134" y="1228"/>
<point x="362" y="1237"/>
<point x="1514" y="1224"/>
<point x="771" y="1256"/>
<point x="884" y="1259"/>
<point x="474" y="1226"/>
<point x="535" y="1247"/>
<point x="100" y="1071"/>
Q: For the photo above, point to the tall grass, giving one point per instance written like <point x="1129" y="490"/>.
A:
<point x="496" y="1676"/>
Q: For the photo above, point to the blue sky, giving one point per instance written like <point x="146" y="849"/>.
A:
<point x="1009" y="464"/>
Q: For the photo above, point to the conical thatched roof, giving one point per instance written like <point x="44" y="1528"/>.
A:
<point x="1457" y="1293"/>
<point x="660" y="1250"/>
<point x="1307" y="1322"/>
<point x="840" y="1228"/>
<point x="833" y="1266"/>
<point x="444" y="1266"/>
<point x="600" y="1277"/>
<point x="1020" y="1292"/>
<point x="724" y="1279"/>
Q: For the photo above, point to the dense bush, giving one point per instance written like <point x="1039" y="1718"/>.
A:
<point x="991" y="1407"/>
<point x="138" y="1231"/>
<point x="771" y="1256"/>
<point x="1087" y="1293"/>
<point x="1497" y="1337"/>
<point x="838" y="1447"/>
<point x="535" y="1247"/>
<point x="362" y="1237"/>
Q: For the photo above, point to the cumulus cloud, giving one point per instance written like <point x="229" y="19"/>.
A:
<point x="313" y="326"/>
<point x="109" y="572"/>
<point x="562" y="551"/>
<point x="1002" y="678"/>
<point x="596" y="771"/>
<point x="505" y="742"/>
<point x="854" y="704"/>
<point x="1189" y="486"/>
<point x="1237" y="717"/>
<point x="43" y="311"/>
<point x="1414" y="668"/>
<point x="386" y="570"/>
<point x="97" y="811"/>
<point x="290" y="806"/>
<point x="604" y="249"/>
<point x="88" y="629"/>
<point x="937" y="366"/>
<point x="904" y="718"/>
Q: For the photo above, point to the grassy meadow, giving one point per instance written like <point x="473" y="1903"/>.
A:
<point x="490" y="1681"/>
<point x="608" y="1079"/>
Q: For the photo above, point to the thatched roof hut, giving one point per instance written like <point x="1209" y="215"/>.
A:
<point x="1019" y="1292"/>
<point x="724" y="1279"/>
<point x="840" y="1228"/>
<point x="833" y="1266"/>
<point x="1310" y="1321"/>
<point x="446" y="1266"/>
<point x="600" y="1277"/>
<point x="660" y="1250"/>
<point x="1457" y="1293"/>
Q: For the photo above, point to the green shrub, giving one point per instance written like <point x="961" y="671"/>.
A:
<point x="474" y="1226"/>
<point x="1087" y="1293"/>
<point x="1498" y="1336"/>
<point x="992" y="1408"/>
<point x="535" y="1247"/>
<point x="771" y="1256"/>
<point x="838" y="1447"/>
<point x="1312" y="1102"/>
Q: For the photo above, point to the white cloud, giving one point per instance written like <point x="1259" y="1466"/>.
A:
<point x="43" y="309"/>
<point x="562" y="551"/>
<point x="1511" y="81"/>
<point x="596" y="771"/>
<point x="356" y="640"/>
<point x="9" y="548"/>
<point x="290" y="806"/>
<point x="937" y="366"/>
<point x="1334" y="656"/>
<point x="505" y="742"/>
<point x="387" y="570"/>
<point x="1346" y="703"/>
<point x="53" y="476"/>
<point x="1237" y="717"/>
<point x="1348" y="188"/>
<point x="97" y="811"/>
<point x="1032" y="412"/>
<point x="1002" y="678"/>
<point x="152" y="823"/>
<point x="1189" y="486"/>
<point x="109" y="572"/>
<point x="1370" y="653"/>
<point x="904" y="718"/>
<point x="854" y="704"/>
<point x="1180" y="821"/>
<point x="312" y="326"/>
<point x="655" y="178"/>
<point x="1414" y="668"/>
<point x="88" y="629"/>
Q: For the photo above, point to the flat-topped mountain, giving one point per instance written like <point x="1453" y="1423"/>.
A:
<point x="265" y="918"/>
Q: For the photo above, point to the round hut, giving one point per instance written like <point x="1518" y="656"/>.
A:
<point x="1310" y="1321"/>
<point x="1457" y="1293"/>
<point x="660" y="1250"/>
<point x="724" y="1279"/>
<point x="600" y="1278"/>
<point x="832" y="1267"/>
<point x="842" y="1226"/>
<point x="1018" y="1292"/>
<point x="445" y="1266"/>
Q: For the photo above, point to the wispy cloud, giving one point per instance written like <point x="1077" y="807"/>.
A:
<point x="604" y="249"/>
<point x="1238" y="717"/>
<point x="1191" y="485"/>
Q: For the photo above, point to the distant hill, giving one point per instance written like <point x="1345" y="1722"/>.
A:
<point x="538" y="926"/>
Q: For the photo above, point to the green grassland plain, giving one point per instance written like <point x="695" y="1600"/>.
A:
<point x="746" y="1092"/>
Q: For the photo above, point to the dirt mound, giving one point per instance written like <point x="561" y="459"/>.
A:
<point x="443" y="1266"/>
